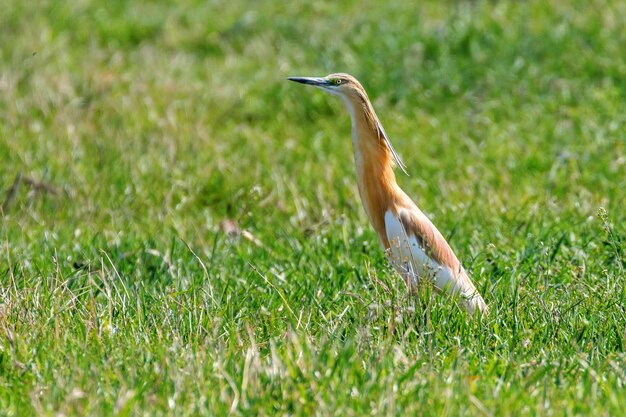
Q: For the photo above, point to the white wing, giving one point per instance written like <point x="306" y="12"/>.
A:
<point x="411" y="259"/>
<point x="407" y="255"/>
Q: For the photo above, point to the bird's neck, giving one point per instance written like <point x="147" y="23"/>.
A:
<point x="374" y="167"/>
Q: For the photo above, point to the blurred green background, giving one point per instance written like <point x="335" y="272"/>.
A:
<point x="181" y="231"/>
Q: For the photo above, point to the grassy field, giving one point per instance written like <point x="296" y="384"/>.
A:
<point x="181" y="232"/>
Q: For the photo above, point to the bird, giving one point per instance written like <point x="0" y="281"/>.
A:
<point x="413" y="245"/>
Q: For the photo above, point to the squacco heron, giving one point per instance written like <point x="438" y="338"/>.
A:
<point x="413" y="245"/>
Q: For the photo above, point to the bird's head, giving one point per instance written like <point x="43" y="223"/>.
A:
<point x="342" y="85"/>
<point x="355" y="98"/>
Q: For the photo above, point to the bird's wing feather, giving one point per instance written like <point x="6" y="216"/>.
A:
<point x="418" y="248"/>
<point x="416" y="223"/>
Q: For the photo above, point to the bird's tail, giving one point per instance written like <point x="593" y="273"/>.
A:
<point x="476" y="302"/>
<point x="472" y="300"/>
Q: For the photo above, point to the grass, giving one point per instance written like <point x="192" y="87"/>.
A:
<point x="181" y="232"/>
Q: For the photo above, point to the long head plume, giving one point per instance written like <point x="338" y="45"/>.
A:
<point x="348" y="88"/>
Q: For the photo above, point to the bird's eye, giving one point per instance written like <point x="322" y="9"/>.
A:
<point x="337" y="81"/>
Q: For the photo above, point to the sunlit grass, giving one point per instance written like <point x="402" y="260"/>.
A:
<point x="182" y="235"/>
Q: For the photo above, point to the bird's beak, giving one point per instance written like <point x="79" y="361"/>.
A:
<point x="315" y="81"/>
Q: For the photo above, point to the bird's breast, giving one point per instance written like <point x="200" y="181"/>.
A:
<point x="376" y="199"/>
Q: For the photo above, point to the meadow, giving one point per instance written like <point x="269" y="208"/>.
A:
<point x="181" y="232"/>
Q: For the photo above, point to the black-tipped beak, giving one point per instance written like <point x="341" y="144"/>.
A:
<point x="316" y="81"/>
